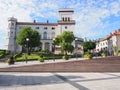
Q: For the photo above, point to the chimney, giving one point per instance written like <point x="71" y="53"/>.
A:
<point x="47" y="21"/>
<point x="34" y="21"/>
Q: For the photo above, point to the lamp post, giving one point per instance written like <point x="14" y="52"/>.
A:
<point x="27" y="40"/>
<point x="53" y="49"/>
<point x="76" y="39"/>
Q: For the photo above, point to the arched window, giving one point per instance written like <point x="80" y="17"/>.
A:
<point x="65" y="18"/>
<point x="68" y="18"/>
<point x="53" y="35"/>
<point x="45" y="35"/>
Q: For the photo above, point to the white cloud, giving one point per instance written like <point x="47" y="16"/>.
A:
<point x="89" y="14"/>
<point x="90" y="17"/>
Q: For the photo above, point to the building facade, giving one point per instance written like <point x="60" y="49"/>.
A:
<point x="47" y="30"/>
<point x="109" y="43"/>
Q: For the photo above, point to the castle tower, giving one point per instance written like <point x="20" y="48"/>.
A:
<point x="65" y="22"/>
<point x="12" y="34"/>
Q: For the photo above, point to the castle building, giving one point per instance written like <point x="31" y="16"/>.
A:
<point x="47" y="30"/>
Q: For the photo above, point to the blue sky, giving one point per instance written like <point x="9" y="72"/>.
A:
<point x="94" y="18"/>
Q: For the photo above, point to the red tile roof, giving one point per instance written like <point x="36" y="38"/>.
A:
<point x="117" y="32"/>
<point x="31" y="23"/>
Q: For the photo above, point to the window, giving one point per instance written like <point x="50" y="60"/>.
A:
<point x="8" y="34"/>
<point x="106" y="43"/>
<point x="53" y="35"/>
<point x="65" y="27"/>
<point x="9" y="25"/>
<point x="65" y="18"/>
<point x="53" y="28"/>
<point x="36" y="27"/>
<point x="45" y="28"/>
<point x="45" y="35"/>
<point x="68" y="18"/>
<point x="20" y="27"/>
<point x="12" y="24"/>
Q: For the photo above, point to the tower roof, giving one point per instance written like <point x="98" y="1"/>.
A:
<point x="12" y="19"/>
<point x="66" y="10"/>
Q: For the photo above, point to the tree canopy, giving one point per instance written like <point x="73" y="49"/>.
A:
<point x="65" y="41"/>
<point x="88" y="45"/>
<point x="32" y="35"/>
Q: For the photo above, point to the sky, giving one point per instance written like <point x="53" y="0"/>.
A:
<point x="94" y="18"/>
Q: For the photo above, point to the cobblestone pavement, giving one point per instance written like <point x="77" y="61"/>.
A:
<point x="59" y="81"/>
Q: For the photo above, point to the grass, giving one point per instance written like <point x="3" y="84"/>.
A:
<point x="37" y="56"/>
<point x="29" y="57"/>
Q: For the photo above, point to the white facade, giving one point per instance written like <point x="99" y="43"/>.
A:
<point x="47" y="30"/>
<point x="108" y="43"/>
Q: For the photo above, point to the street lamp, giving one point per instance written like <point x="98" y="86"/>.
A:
<point x="76" y="39"/>
<point x="53" y="49"/>
<point x="27" y="39"/>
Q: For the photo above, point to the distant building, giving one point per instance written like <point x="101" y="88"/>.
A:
<point x="109" y="43"/>
<point x="47" y="30"/>
<point x="78" y="46"/>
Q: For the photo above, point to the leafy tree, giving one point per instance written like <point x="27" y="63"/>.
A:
<point x="27" y="32"/>
<point x="65" y="41"/>
<point x="58" y="40"/>
<point x="88" y="45"/>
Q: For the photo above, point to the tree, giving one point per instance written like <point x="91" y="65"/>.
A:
<point x="88" y="45"/>
<point x="27" y="32"/>
<point x="65" y="41"/>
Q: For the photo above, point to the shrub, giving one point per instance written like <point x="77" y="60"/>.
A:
<point x="118" y="52"/>
<point x="88" y="55"/>
<point x="66" y="57"/>
<point x="10" y="60"/>
<point x="41" y="59"/>
<point x="104" y="53"/>
<point x="45" y="51"/>
<point x="7" y="52"/>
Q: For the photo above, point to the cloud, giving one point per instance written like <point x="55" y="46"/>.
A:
<point x="91" y="19"/>
<point x="92" y="16"/>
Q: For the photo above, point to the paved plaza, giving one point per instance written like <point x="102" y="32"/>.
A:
<point x="59" y="81"/>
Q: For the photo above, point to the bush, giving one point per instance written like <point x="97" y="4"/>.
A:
<point x="10" y="60"/>
<point x="1" y="55"/>
<point x="45" y="51"/>
<point x="118" y="52"/>
<point x="66" y="57"/>
<point x="7" y="52"/>
<point x="88" y="55"/>
<point x="17" y="55"/>
<point x="104" y="53"/>
<point x="41" y="59"/>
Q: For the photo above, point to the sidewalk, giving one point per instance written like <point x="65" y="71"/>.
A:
<point x="17" y="64"/>
<point x="59" y="81"/>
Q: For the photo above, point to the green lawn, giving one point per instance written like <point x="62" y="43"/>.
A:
<point x="36" y="57"/>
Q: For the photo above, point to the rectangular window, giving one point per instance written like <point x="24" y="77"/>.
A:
<point x="20" y="27"/>
<point x="53" y="28"/>
<point x="45" y="28"/>
<point x="36" y="27"/>
<point x="12" y="24"/>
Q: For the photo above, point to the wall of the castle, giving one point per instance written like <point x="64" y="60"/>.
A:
<point x="47" y="30"/>
<point x="41" y="29"/>
<point x="65" y="27"/>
